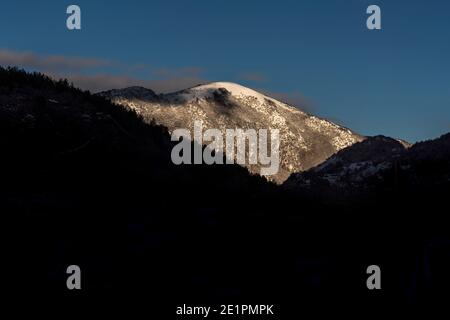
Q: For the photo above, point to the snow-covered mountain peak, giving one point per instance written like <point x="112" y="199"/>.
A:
<point x="305" y="140"/>
<point x="234" y="89"/>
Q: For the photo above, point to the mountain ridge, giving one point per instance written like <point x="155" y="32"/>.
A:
<point x="376" y="162"/>
<point x="305" y="140"/>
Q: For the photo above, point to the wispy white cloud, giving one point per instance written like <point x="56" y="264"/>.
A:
<point x="89" y="73"/>
<point x="252" y="76"/>
<point x="101" y="82"/>
<point x="295" y="99"/>
<point x="56" y="63"/>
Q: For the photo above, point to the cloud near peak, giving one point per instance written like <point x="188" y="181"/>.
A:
<point x="89" y="73"/>
<point x="101" y="82"/>
<point x="92" y="74"/>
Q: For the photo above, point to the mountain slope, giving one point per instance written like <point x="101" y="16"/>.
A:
<point x="56" y="137"/>
<point x="352" y="167"/>
<point x="380" y="162"/>
<point x="88" y="182"/>
<point x="305" y="140"/>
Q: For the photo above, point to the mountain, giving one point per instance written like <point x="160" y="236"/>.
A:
<point x="380" y="162"/>
<point x="88" y="182"/>
<point x="305" y="140"/>
<point x="354" y="165"/>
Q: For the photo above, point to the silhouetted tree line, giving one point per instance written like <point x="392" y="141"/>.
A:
<point x="52" y="119"/>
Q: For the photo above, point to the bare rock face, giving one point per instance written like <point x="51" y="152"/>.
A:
<point x="305" y="140"/>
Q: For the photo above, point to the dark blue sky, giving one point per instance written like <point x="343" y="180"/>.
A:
<point x="394" y="82"/>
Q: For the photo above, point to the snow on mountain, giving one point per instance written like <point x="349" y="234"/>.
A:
<point x="354" y="166"/>
<point x="203" y="91"/>
<point x="305" y="140"/>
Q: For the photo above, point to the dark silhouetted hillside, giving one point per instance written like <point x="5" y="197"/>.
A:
<point x="87" y="182"/>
